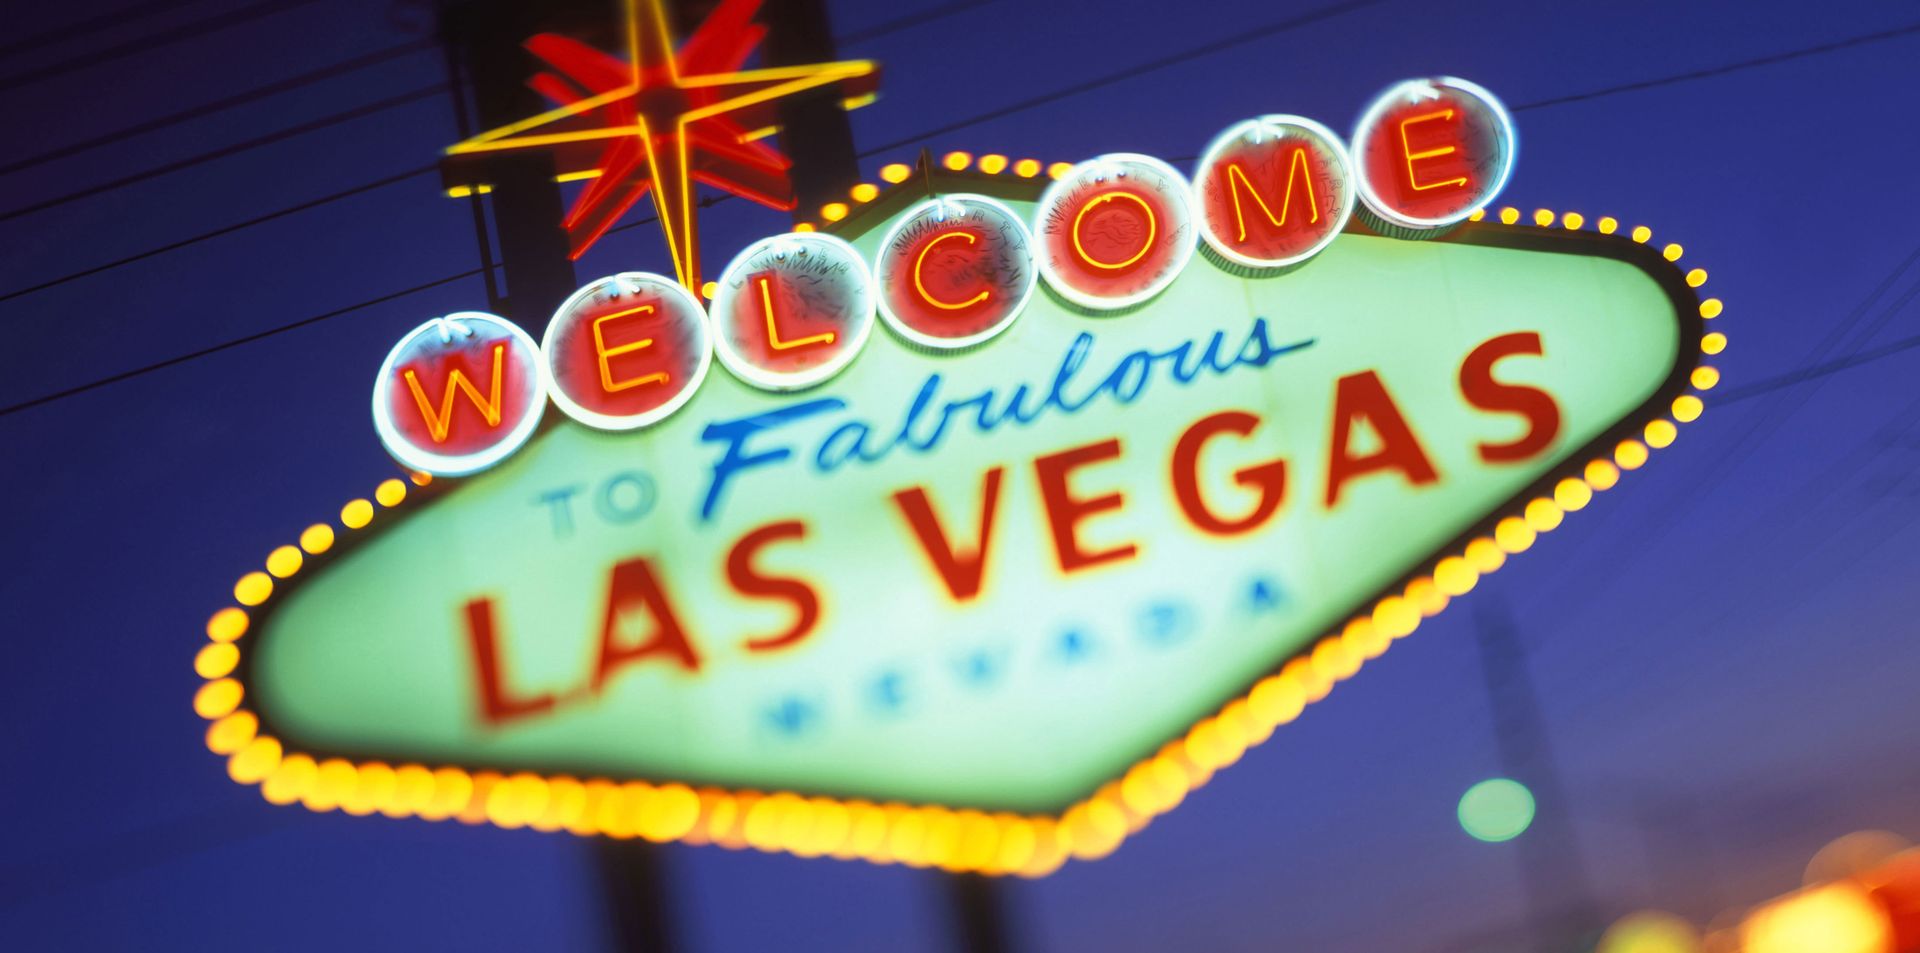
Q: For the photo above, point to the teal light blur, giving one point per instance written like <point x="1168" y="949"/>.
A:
<point x="1496" y="810"/>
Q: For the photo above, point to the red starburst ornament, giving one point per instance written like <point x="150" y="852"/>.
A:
<point x="658" y="121"/>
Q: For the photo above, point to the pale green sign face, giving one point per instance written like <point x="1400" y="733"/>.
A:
<point x="792" y="592"/>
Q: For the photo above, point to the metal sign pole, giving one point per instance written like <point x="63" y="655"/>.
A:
<point x="979" y="906"/>
<point x="483" y="38"/>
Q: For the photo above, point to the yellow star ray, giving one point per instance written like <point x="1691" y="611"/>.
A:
<point x="648" y="41"/>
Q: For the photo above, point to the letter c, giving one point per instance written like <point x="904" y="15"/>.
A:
<point x="926" y="295"/>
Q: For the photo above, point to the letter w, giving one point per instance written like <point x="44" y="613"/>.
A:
<point x="441" y="423"/>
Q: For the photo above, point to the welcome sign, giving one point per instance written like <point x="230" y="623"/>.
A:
<point x="1133" y="470"/>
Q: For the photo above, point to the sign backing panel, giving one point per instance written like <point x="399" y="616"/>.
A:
<point x="1056" y="678"/>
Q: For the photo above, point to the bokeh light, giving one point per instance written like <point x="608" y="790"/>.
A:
<point x="1837" y="918"/>
<point x="1496" y="810"/>
<point x="1649" y="931"/>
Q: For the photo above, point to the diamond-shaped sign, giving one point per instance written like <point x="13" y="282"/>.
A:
<point x="985" y="608"/>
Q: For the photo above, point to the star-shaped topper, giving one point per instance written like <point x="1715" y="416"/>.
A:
<point x="657" y="121"/>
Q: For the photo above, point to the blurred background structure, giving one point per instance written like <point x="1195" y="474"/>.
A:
<point x="217" y="215"/>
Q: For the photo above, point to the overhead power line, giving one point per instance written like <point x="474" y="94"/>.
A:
<point x="1075" y="89"/>
<point x="281" y="135"/>
<point x="223" y="230"/>
<point x="1240" y="38"/>
<point x="185" y="31"/>
<point x="255" y="94"/>
<point x="236" y="342"/>
<point x="891" y="26"/>
<point x="93" y="24"/>
<point x="911" y="20"/>
<point x="1724" y="69"/>
<point x="1858" y="359"/>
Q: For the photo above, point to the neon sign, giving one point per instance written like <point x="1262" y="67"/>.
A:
<point x="1115" y="231"/>
<point x="1431" y="151"/>
<point x="986" y="590"/>
<point x="458" y="394"/>
<point x="1277" y="190"/>
<point x="626" y="351"/>
<point x="954" y="271"/>
<point x="792" y="310"/>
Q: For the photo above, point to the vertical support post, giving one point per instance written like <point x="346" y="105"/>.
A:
<point x="633" y="878"/>
<point x="979" y="907"/>
<point x="483" y="38"/>
<point x="1554" y="878"/>
<point x="815" y="132"/>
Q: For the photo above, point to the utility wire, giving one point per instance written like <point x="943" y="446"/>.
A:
<point x="280" y="135"/>
<point x="1151" y="66"/>
<point x="223" y="230"/>
<point x="185" y="31"/>
<point x="1073" y="90"/>
<point x="304" y="79"/>
<point x="1722" y="70"/>
<point x="255" y="94"/>
<point x="93" y="24"/>
<point x="236" y="342"/>
<point x="1805" y="374"/>
<point x="897" y="24"/>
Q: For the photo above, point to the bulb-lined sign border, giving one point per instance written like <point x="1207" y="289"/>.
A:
<point x="950" y="837"/>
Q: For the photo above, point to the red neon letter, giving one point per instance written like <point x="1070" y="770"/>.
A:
<point x="1362" y="396"/>
<point x="1406" y="149"/>
<point x="920" y="262"/>
<point x="606" y="354"/>
<point x="1269" y="479"/>
<point x="497" y="704"/>
<point x="633" y="589"/>
<point x="1065" y="511"/>
<point x="963" y="570"/>
<point x="753" y="584"/>
<point x="1537" y="406"/>
<point x="441" y="423"/>
<point x="1296" y="169"/>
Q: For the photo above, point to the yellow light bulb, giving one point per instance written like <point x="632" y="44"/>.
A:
<point x="1572" y="494"/>
<point x="390" y="492"/>
<point x="253" y="588"/>
<point x="356" y="513"/>
<point x="216" y="660"/>
<point x="284" y="561"/>
<point x="227" y="624"/>
<point x="317" y="539"/>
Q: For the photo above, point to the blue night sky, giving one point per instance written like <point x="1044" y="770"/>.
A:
<point x="1723" y="649"/>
